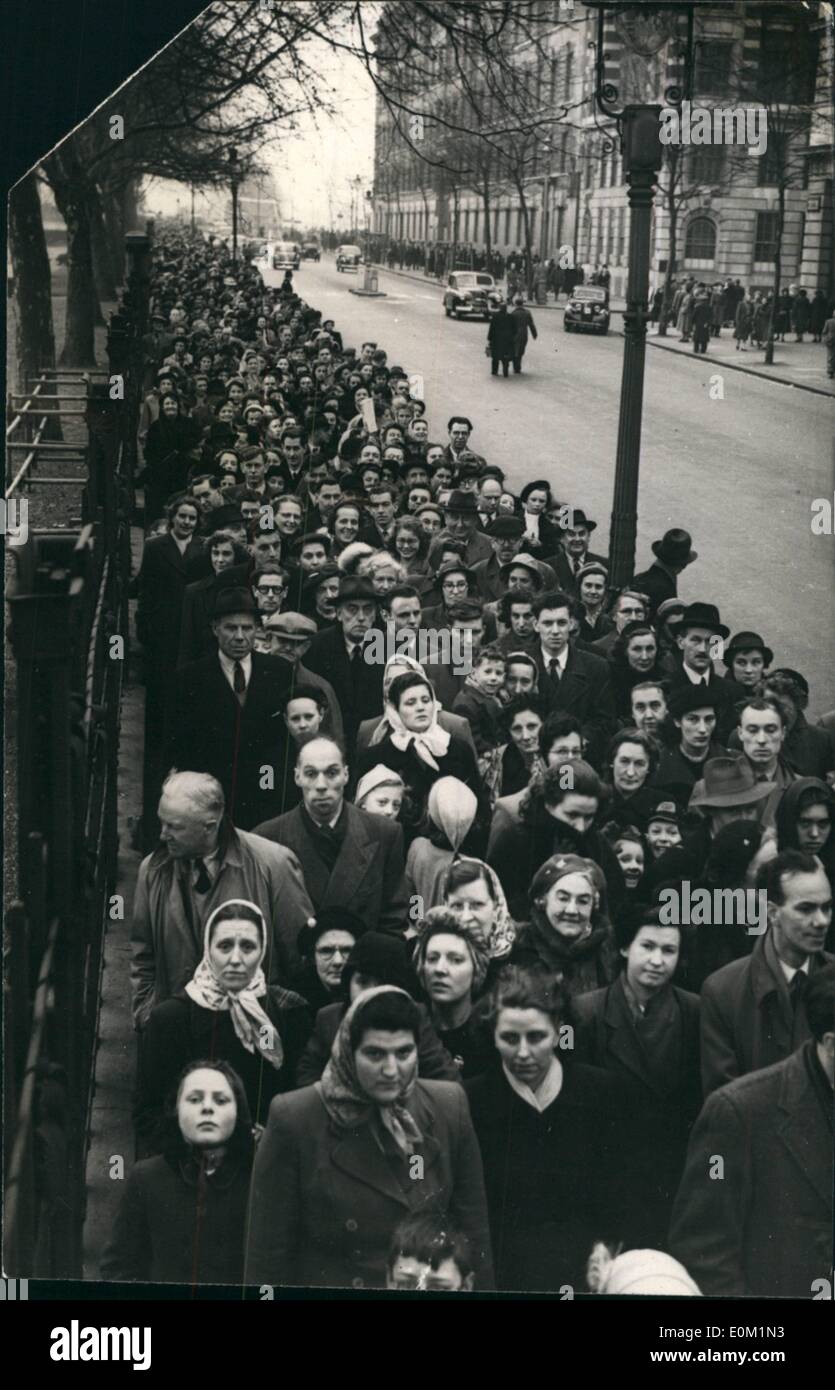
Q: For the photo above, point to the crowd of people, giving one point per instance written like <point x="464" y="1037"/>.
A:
<point x="700" y="311"/>
<point x="421" y="996"/>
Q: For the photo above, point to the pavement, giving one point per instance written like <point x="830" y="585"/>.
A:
<point x="738" y="462"/>
<point x="795" y="364"/>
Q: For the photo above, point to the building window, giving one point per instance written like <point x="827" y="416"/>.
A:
<point x="707" y="164"/>
<point x="700" y="243"/>
<point x="765" y="241"/>
<point x="713" y="67"/>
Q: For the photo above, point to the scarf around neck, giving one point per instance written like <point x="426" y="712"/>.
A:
<point x="346" y="1102"/>
<point x="430" y="745"/>
<point x="252" y="1025"/>
<point x="545" y="1094"/>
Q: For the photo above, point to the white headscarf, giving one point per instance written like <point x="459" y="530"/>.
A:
<point x="430" y="745"/>
<point x="253" y="1028"/>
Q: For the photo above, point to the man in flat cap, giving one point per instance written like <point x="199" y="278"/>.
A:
<point x="337" y="653"/>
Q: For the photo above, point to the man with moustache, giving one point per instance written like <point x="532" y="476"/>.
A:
<point x="506" y="535"/>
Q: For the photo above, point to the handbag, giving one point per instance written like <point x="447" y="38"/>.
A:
<point x="488" y="351"/>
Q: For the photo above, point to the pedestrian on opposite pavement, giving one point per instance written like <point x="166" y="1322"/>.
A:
<point x="818" y="314"/>
<point x="801" y="314"/>
<point x="701" y="319"/>
<point x="743" y="323"/>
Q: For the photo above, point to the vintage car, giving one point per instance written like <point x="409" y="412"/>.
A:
<point x="286" y="255"/>
<point x="311" y="251"/>
<point x="348" y="257"/>
<point x="587" y="309"/>
<point x="471" y="293"/>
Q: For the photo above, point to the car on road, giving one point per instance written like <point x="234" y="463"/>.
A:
<point x="311" y="251"/>
<point x="286" y="255"/>
<point x="348" y="257"/>
<point x="587" y="310"/>
<point x="471" y="293"/>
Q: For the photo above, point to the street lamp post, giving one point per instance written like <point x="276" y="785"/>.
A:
<point x="642" y="31"/>
<point x="546" y="188"/>
<point x="234" y="179"/>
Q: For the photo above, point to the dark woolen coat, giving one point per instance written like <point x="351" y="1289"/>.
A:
<point x="181" y="1031"/>
<point x="369" y="874"/>
<point x="747" y="1017"/>
<point x="556" y="1181"/>
<point x="177" y="1226"/>
<point x="213" y="733"/>
<point x="664" y="1098"/>
<point x="765" y="1229"/>
<point x="325" y="1201"/>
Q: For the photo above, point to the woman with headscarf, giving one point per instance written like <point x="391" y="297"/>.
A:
<point x="805" y="820"/>
<point x="471" y="889"/>
<point x="451" y="812"/>
<point x="418" y="748"/>
<point x="377" y="959"/>
<point x="182" y="1214"/>
<point x="343" y="1161"/>
<point x="373" y="731"/>
<point x="451" y="962"/>
<point x="226" y="1012"/>
<point x="569" y="933"/>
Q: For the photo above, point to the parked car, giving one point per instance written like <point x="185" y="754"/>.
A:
<point x="471" y="293"/>
<point x="286" y="255"/>
<point x="587" y="310"/>
<point x="348" y="257"/>
<point x="311" y="251"/>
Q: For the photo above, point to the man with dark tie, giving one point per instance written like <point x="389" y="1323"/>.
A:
<point x="753" y="1010"/>
<point x="228" y="712"/>
<point x="698" y="637"/>
<point x="338" y="653"/>
<point x="349" y="858"/>
<point x="201" y="862"/>
<point x="574" y="551"/>
<point x="572" y="680"/>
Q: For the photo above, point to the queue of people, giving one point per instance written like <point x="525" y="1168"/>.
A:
<point x="421" y="997"/>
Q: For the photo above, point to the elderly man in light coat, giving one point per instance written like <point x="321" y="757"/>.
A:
<point x="204" y="861"/>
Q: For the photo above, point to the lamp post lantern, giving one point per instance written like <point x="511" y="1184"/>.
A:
<point x="654" y="46"/>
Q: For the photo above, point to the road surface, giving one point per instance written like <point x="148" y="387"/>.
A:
<point x="739" y="472"/>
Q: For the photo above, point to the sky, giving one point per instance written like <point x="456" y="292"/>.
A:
<point x="313" y="166"/>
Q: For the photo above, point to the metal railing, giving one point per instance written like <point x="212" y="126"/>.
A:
<point x="68" y="612"/>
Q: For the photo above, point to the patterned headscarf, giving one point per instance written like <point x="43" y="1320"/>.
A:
<point x="502" y="934"/>
<point x="445" y="920"/>
<point x="252" y="1026"/>
<point x="347" y="1103"/>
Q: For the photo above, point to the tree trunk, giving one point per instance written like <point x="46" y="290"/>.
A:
<point x="486" y="204"/>
<point x="72" y="195"/>
<point x="114" y="224"/>
<point x="778" y="266"/>
<point x="130" y="208"/>
<point x="103" y="271"/>
<point x="35" y="335"/>
<point x="526" y="223"/>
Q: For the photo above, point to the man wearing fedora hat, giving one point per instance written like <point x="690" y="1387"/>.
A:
<point x="729" y="791"/>
<point x="573" y="553"/>
<point x="196" y="637"/>
<point x="461" y="521"/>
<point x="227" y="711"/>
<point x="319" y="593"/>
<point x="673" y="553"/>
<point x="337" y="654"/>
<point x="506" y="535"/>
<point x="696" y="634"/>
